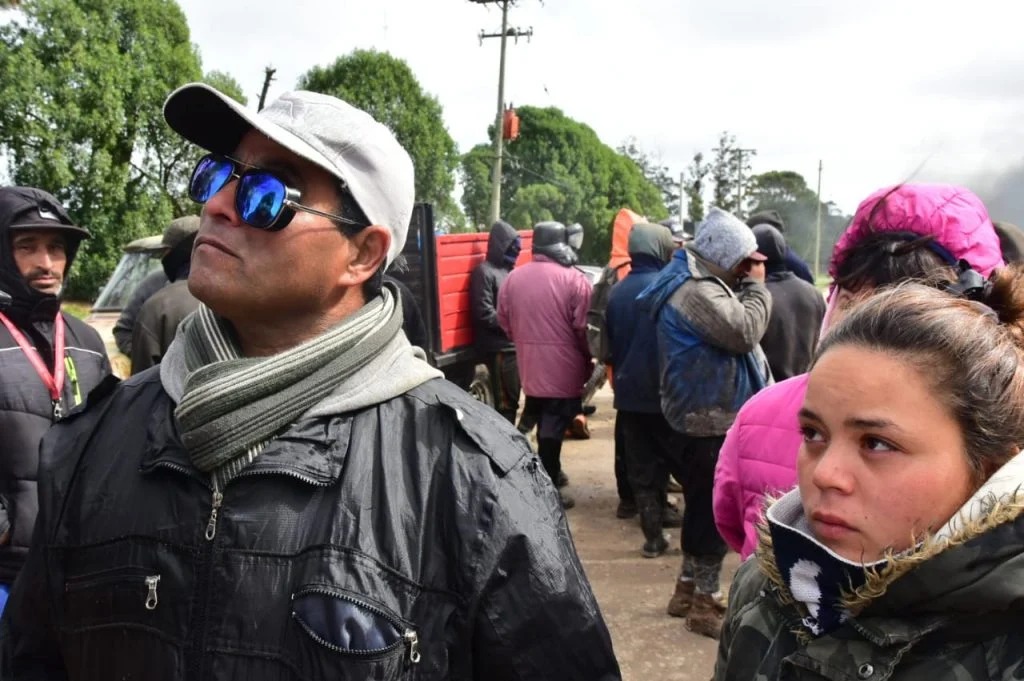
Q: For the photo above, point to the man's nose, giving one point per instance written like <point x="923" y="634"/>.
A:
<point x="222" y="204"/>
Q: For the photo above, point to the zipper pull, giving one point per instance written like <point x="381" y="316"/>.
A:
<point x="211" y="526"/>
<point x="72" y="373"/>
<point x="151" y="598"/>
<point x="58" y="411"/>
<point x="413" y="641"/>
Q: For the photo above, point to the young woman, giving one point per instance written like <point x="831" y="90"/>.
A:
<point x="898" y="234"/>
<point x="900" y="555"/>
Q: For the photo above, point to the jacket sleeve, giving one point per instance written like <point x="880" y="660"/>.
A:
<point x="483" y="298"/>
<point x="728" y="492"/>
<point x="733" y="323"/>
<point x="29" y="646"/>
<point x="504" y="315"/>
<point x="146" y="350"/>
<point x="534" y="614"/>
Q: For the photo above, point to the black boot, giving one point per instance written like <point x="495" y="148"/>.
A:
<point x="650" y="508"/>
<point x="550" y="452"/>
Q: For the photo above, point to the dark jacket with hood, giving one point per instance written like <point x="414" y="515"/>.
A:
<point x="797" y="310"/>
<point x="632" y="334"/>
<point x="415" y="537"/>
<point x="483" y="290"/>
<point x="26" y="409"/>
<point x="794" y="263"/>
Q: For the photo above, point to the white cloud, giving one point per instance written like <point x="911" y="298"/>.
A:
<point x="875" y="89"/>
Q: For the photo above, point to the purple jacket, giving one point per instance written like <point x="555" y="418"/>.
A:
<point x="542" y="306"/>
<point x="760" y="450"/>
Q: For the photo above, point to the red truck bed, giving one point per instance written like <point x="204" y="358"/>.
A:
<point x="457" y="256"/>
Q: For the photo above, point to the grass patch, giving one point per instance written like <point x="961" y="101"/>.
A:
<point x="76" y="308"/>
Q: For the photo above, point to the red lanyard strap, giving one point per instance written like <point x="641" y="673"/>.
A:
<point x="55" y="382"/>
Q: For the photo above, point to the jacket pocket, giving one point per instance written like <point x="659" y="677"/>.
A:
<point x="121" y="610"/>
<point x="345" y="636"/>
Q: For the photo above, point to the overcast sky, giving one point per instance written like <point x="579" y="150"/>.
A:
<point x="877" y="89"/>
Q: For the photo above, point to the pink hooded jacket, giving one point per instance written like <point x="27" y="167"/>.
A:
<point x="760" y="450"/>
<point x="542" y="306"/>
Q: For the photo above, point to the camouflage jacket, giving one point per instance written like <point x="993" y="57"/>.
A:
<point x="952" y="608"/>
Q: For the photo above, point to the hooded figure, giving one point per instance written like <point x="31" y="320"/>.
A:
<point x="38" y="243"/>
<point x="542" y="306"/>
<point x="794" y="263"/>
<point x="797" y="310"/>
<point x="503" y="247"/>
<point x="711" y="308"/>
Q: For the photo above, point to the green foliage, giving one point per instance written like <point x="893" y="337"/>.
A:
<point x="226" y="84"/>
<point x="559" y="169"/>
<point x="787" y="192"/>
<point x="385" y="87"/>
<point x="82" y="84"/>
<point x="695" y="176"/>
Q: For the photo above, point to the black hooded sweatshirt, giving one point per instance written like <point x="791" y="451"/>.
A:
<point x="483" y="290"/>
<point x="26" y="409"/>
<point x="797" y="310"/>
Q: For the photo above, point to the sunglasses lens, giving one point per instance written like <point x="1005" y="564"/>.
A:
<point x="260" y="199"/>
<point x="210" y="175"/>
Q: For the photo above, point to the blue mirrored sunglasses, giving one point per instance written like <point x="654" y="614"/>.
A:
<point x="262" y="199"/>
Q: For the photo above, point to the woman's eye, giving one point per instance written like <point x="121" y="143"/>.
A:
<point x="876" y="445"/>
<point x="811" y="434"/>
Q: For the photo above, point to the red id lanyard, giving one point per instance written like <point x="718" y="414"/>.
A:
<point x="54" y="383"/>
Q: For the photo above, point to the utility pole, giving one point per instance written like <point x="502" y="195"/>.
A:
<point x="817" y="229"/>
<point x="505" y="33"/>
<point x="682" y="196"/>
<point x="267" y="77"/>
<point x="739" y="178"/>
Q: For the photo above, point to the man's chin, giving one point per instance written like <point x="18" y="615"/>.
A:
<point x="48" y="289"/>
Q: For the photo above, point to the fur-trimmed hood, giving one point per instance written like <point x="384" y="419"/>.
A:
<point x="974" y="564"/>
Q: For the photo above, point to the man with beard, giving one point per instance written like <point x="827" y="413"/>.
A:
<point x="49" y="360"/>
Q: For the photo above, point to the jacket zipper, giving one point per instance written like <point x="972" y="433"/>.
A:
<point x="151" y="582"/>
<point x="204" y="576"/>
<point x="410" y="638"/>
<point x="72" y="375"/>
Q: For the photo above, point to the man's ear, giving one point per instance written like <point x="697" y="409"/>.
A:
<point x="369" y="250"/>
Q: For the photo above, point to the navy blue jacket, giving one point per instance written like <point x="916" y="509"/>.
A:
<point x="633" y="341"/>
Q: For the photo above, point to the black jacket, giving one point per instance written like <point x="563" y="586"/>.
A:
<point x="125" y="326"/>
<point x="797" y="310"/>
<point x="26" y="413"/>
<point x="483" y="290"/>
<point x="417" y="538"/>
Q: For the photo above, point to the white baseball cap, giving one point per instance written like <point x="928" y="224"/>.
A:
<point x="345" y="141"/>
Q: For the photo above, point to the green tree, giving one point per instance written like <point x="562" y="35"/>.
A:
<point x="82" y="83"/>
<point x="559" y="169"/>
<point x="695" y="176"/>
<point x="787" y="192"/>
<point x="385" y="87"/>
<point x="731" y="174"/>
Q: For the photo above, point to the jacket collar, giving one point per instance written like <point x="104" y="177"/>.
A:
<point x="967" y="566"/>
<point x="312" y="450"/>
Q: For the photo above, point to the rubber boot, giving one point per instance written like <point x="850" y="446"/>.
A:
<point x="650" y="509"/>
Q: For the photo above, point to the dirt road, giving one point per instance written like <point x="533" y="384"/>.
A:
<point x="632" y="590"/>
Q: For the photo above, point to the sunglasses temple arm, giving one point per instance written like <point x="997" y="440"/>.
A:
<point x="314" y="211"/>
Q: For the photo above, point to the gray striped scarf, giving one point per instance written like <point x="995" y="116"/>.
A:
<point x="233" y="405"/>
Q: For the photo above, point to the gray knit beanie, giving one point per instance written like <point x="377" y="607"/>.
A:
<point x="724" y="239"/>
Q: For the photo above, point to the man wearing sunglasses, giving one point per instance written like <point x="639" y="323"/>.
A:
<point x="295" y="493"/>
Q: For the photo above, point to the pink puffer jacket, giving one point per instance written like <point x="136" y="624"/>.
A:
<point x="759" y="454"/>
